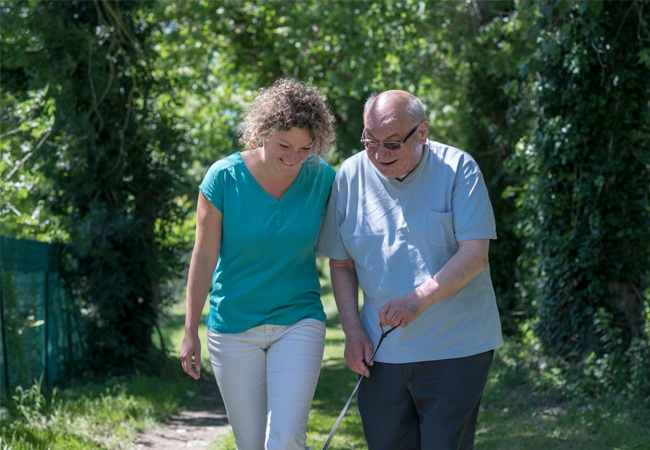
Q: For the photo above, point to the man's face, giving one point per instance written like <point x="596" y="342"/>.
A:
<point x="393" y="128"/>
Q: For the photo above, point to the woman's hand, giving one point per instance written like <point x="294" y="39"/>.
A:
<point x="191" y="355"/>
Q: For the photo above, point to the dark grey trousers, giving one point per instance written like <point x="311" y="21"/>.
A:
<point x="431" y="405"/>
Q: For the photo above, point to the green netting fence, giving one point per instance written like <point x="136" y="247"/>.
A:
<point x="38" y="335"/>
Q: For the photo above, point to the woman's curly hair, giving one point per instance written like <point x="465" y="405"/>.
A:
<point x="286" y="104"/>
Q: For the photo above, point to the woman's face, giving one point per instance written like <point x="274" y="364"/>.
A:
<point x="285" y="151"/>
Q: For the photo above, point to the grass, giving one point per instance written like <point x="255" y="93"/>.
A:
<point x="99" y="415"/>
<point x="520" y="413"/>
<point x="523" y="408"/>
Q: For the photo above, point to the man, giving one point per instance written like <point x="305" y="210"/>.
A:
<point x="409" y="221"/>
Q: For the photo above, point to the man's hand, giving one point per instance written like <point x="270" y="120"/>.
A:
<point x="400" y="312"/>
<point x="358" y="351"/>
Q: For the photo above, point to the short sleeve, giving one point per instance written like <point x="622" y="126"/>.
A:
<point x="473" y="214"/>
<point x="329" y="239"/>
<point x="212" y="185"/>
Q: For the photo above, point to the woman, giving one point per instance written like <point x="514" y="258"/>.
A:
<point x="258" y="217"/>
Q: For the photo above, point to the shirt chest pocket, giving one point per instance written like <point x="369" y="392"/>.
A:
<point x="440" y="229"/>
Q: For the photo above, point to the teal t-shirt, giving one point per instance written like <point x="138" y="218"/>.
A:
<point x="266" y="273"/>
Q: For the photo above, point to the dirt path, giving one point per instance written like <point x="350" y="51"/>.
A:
<point x="203" y="422"/>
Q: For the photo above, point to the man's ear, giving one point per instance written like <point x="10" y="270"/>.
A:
<point x="423" y="131"/>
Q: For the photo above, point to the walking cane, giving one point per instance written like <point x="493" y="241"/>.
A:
<point x="347" y="404"/>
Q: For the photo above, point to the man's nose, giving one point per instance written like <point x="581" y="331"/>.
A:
<point x="381" y="153"/>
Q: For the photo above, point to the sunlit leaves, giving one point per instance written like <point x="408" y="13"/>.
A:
<point x="26" y="126"/>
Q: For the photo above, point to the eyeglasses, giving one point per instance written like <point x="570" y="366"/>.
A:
<point x="390" y="145"/>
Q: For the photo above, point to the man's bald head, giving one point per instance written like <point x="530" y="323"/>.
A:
<point x="393" y="105"/>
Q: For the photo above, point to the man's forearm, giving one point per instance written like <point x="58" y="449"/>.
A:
<point x="470" y="260"/>
<point x="346" y="293"/>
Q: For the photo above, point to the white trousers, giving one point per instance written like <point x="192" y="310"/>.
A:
<point x="267" y="377"/>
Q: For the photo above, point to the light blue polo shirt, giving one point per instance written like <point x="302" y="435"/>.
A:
<point x="399" y="234"/>
<point x="266" y="273"/>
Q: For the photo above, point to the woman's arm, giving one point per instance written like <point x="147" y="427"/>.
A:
<point x="209" y="222"/>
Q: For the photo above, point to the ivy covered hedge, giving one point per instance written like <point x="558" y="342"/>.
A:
<point x="584" y="172"/>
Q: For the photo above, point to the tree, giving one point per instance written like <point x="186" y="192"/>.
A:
<point x="111" y="166"/>
<point x="485" y="62"/>
<point x="585" y="192"/>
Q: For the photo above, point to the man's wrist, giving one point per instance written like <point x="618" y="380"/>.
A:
<point x="352" y="327"/>
<point x="425" y="294"/>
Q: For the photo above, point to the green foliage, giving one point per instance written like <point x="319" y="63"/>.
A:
<point x="534" y="401"/>
<point x="25" y="125"/>
<point x="111" y="166"/>
<point x="30" y="403"/>
<point x="111" y="112"/>
<point x="485" y="65"/>
<point x="348" y="49"/>
<point x="104" y="415"/>
<point x="584" y="195"/>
